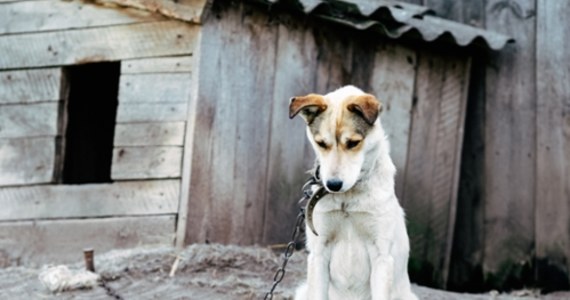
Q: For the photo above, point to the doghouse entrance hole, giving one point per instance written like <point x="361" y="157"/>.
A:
<point x="90" y="126"/>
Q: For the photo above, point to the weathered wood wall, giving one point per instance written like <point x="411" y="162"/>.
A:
<point x="249" y="159"/>
<point x="513" y="227"/>
<point x="43" y="221"/>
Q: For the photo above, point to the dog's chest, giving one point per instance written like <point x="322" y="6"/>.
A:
<point x="349" y="236"/>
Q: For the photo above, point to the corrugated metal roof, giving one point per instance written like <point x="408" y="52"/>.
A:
<point x="396" y="20"/>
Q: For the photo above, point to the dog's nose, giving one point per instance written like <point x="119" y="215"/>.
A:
<point x="334" y="184"/>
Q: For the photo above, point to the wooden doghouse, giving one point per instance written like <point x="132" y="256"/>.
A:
<point x="93" y="109"/>
<point x="201" y="144"/>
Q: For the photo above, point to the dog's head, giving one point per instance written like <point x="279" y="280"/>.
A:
<point x="341" y="127"/>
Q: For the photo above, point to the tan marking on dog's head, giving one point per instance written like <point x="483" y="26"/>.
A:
<point x="309" y="106"/>
<point x="366" y="106"/>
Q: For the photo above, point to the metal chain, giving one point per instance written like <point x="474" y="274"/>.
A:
<point x="292" y="245"/>
<point x="111" y="292"/>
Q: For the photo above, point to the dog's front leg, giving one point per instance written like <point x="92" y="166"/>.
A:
<point x="318" y="274"/>
<point x="382" y="275"/>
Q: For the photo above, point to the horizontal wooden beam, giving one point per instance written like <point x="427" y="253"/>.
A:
<point x="97" y="44"/>
<point x="151" y="112"/>
<point x="27" y="86"/>
<point x="49" y="15"/>
<point x="89" y="200"/>
<point x="186" y="10"/>
<point x="29" y="120"/>
<point x="63" y="241"/>
<point x="177" y="64"/>
<point x="153" y="88"/>
<point x="146" y="162"/>
<point x="27" y="160"/>
<point x="149" y="134"/>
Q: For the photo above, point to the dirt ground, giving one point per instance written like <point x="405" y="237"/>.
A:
<point x="203" y="272"/>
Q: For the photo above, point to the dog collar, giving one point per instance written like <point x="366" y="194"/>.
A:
<point x="313" y="197"/>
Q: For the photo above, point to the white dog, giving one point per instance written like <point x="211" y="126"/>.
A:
<point x="361" y="250"/>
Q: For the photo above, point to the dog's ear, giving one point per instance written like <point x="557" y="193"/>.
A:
<point x="309" y="106"/>
<point x="366" y="106"/>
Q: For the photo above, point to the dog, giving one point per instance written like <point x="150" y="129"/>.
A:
<point x="362" y="247"/>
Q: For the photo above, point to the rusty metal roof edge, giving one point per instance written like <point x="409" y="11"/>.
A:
<point x="396" y="20"/>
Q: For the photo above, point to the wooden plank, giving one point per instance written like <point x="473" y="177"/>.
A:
<point x="296" y="60"/>
<point x="97" y="44"/>
<point x="553" y="146"/>
<point x="154" y="88"/>
<point x="25" y="161"/>
<point x="27" y="86"/>
<point x="392" y="81"/>
<point x="231" y="134"/>
<point x="176" y="64"/>
<point x="187" y="162"/>
<point x="49" y="15"/>
<point x="257" y="47"/>
<point x="188" y="10"/>
<point x="510" y="146"/>
<point x="151" y="112"/>
<point x="63" y="241"/>
<point x="419" y="170"/>
<point x="433" y="162"/>
<point x="146" y="162"/>
<point x="29" y="120"/>
<point x="213" y="116"/>
<point x="448" y="161"/>
<point x="149" y="134"/>
<point x="89" y="200"/>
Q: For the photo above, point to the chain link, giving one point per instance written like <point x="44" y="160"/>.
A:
<point x="289" y="250"/>
<point x="110" y="291"/>
<point x="297" y="230"/>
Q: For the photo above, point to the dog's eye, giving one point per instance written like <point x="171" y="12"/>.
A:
<point x="352" y="143"/>
<point x="322" y="144"/>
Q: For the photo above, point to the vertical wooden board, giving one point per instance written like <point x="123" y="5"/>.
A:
<point x="36" y="16"/>
<point x="510" y="146"/>
<point x="466" y="257"/>
<point x="228" y="179"/>
<point x="176" y="64"/>
<point x="133" y="112"/>
<point x="154" y="88"/>
<point x="149" y="134"/>
<point x="447" y="163"/>
<point x="146" y="162"/>
<point x="211" y="179"/>
<point x="418" y="183"/>
<point x="97" y="44"/>
<point x="433" y="163"/>
<point x="29" y="120"/>
<point x="27" y="160"/>
<point x="27" y="86"/>
<point x="553" y="146"/>
<point x="334" y="60"/>
<point x="296" y="60"/>
<point x="257" y="49"/>
<point x="63" y="241"/>
<point x="392" y="81"/>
